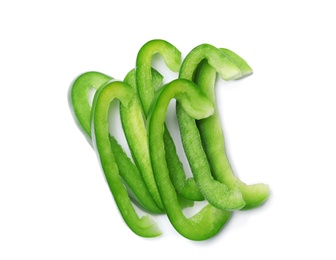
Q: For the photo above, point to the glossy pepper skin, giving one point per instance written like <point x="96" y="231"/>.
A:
<point x="202" y="65"/>
<point x="215" y="192"/>
<point x="172" y="58"/>
<point x="81" y="111"/>
<point x="78" y="98"/>
<point x="187" y="188"/>
<point x="134" y="126"/>
<point x="209" y="220"/>
<point x="143" y="226"/>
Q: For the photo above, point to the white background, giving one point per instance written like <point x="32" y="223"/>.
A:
<point x="279" y="125"/>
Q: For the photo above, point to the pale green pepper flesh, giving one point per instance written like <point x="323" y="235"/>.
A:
<point x="78" y="98"/>
<point x="146" y="90"/>
<point x="143" y="226"/>
<point x="134" y="127"/>
<point x="209" y="220"/>
<point x="133" y="122"/>
<point x="210" y="128"/>
<point x="81" y="110"/>
<point x="217" y="193"/>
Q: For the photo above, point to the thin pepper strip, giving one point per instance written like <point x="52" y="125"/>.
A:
<point x="213" y="137"/>
<point x="229" y="66"/>
<point x="209" y="220"/>
<point x="134" y="127"/>
<point x="144" y="226"/>
<point x="172" y="57"/>
<point x="133" y="123"/>
<point x="81" y="111"/>
<point x="214" y="191"/>
<point x="78" y="99"/>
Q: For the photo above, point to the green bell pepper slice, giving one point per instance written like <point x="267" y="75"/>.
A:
<point x="187" y="188"/>
<point x="230" y="67"/>
<point x="215" y="192"/>
<point x="133" y="123"/>
<point x="78" y="99"/>
<point x="172" y="58"/>
<point x="209" y="220"/>
<point x="134" y="127"/>
<point x="80" y="107"/>
<point x="144" y="226"/>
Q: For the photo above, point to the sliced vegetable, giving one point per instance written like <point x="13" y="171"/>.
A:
<point x="78" y="97"/>
<point x="172" y="58"/>
<point x="133" y="122"/>
<point x="209" y="220"/>
<point x="134" y="127"/>
<point x="230" y="66"/>
<point x="156" y="181"/>
<point x="81" y="110"/>
<point x="213" y="138"/>
<point x="143" y="226"/>
<point x="146" y="89"/>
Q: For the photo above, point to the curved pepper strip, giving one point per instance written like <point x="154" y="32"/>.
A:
<point x="134" y="127"/>
<point x="209" y="220"/>
<point x="172" y="57"/>
<point x="143" y="226"/>
<point x="81" y="111"/>
<point x="78" y="97"/>
<point x="214" y="191"/>
<point x="136" y="135"/>
<point x="229" y="66"/>
<point x="213" y="138"/>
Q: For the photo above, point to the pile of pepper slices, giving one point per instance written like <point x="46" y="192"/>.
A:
<point x="154" y="179"/>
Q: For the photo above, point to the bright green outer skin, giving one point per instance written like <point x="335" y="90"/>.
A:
<point x="78" y="99"/>
<point x="132" y="179"/>
<point x="209" y="220"/>
<point x="172" y="58"/>
<point x="133" y="123"/>
<point x="81" y="111"/>
<point x="187" y="188"/>
<point x="213" y="137"/>
<point x="215" y="192"/>
<point x="143" y="226"/>
<point x="146" y="90"/>
<point x="134" y="127"/>
<point x="210" y="128"/>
